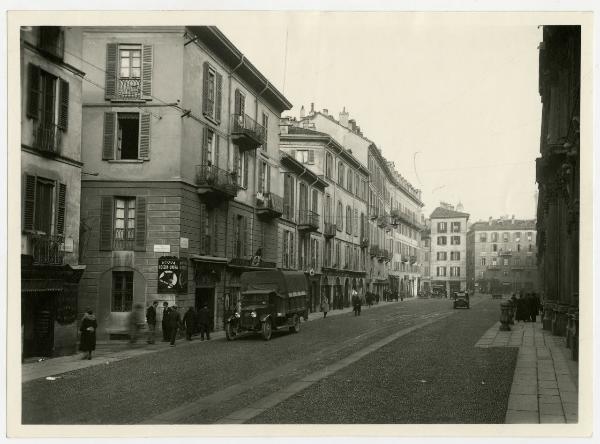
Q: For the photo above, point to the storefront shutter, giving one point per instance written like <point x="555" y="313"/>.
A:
<point x="33" y="100"/>
<point x="106" y="222"/>
<point x="140" y="223"/>
<point x="205" y="107"/>
<point x="108" y="139"/>
<point x="63" y="112"/>
<point x="145" y="136"/>
<point x="110" y="81"/>
<point x="60" y="209"/>
<point x="219" y="97"/>
<point x="29" y="204"/>
<point x="147" y="61"/>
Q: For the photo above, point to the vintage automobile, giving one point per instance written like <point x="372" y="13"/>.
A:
<point x="461" y="299"/>
<point x="270" y="300"/>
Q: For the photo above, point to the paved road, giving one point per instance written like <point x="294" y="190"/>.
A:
<point x="341" y="369"/>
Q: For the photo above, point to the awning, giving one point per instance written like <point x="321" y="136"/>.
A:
<point x="209" y="259"/>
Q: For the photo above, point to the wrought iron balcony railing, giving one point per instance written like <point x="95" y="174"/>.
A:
<point x="270" y="205"/>
<point x="330" y="230"/>
<point x="124" y="239"/>
<point x="216" y="180"/>
<point x="374" y="251"/>
<point x="47" y="137"/>
<point x="247" y="133"/>
<point x="129" y="88"/>
<point x="47" y="249"/>
<point x="308" y="220"/>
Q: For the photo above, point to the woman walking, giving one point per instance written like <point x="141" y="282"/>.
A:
<point x="325" y="306"/>
<point x="88" y="334"/>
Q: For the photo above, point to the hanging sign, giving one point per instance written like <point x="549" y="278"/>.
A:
<point x="172" y="274"/>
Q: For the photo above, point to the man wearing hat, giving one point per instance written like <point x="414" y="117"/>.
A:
<point x="165" y="322"/>
<point x="204" y="322"/>
<point x="174" y="323"/>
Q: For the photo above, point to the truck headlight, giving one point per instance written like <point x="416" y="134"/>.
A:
<point x="253" y="314"/>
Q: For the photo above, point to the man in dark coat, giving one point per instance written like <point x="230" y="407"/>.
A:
<point x="165" y="322"/>
<point x="356" y="303"/>
<point x="521" y="314"/>
<point x="189" y="320"/>
<point x="151" y="321"/>
<point x="533" y="307"/>
<point x="88" y="334"/>
<point x="174" y="323"/>
<point x="204" y="322"/>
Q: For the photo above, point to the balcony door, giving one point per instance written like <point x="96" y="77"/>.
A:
<point x="303" y="200"/>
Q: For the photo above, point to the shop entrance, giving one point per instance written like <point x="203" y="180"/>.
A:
<point x="38" y="322"/>
<point x="206" y="296"/>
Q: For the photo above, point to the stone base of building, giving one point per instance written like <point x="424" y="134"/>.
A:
<point x="562" y="320"/>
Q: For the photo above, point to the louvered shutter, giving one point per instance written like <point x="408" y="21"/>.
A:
<point x="218" y="97"/>
<point x="268" y="178"/>
<point x="205" y="153"/>
<point x="60" y="209"/>
<point x="140" y="223"/>
<point x="145" y="136"/>
<point x="245" y="236"/>
<point x="238" y="102"/>
<point x="261" y="176"/>
<point x="355" y="222"/>
<point x="217" y="147"/>
<point x="311" y="156"/>
<point x="29" y="203"/>
<point x="106" y="222"/>
<point x="63" y="112"/>
<point x="245" y="170"/>
<point x="108" y="140"/>
<point x="33" y="99"/>
<point x="205" y="107"/>
<point x="110" y="81"/>
<point x="147" y="61"/>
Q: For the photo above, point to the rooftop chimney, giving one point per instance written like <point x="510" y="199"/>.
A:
<point x="512" y="219"/>
<point x="312" y="107"/>
<point x="325" y="111"/>
<point x="344" y="118"/>
<point x="490" y="221"/>
<point x="352" y="124"/>
<point x="302" y="112"/>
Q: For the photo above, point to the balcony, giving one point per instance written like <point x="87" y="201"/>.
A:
<point x="382" y="221"/>
<point x="505" y="253"/>
<point x="374" y="251"/>
<point x="216" y="183"/>
<point x="270" y="206"/>
<point x="364" y="242"/>
<point x="246" y="133"/>
<point x="251" y="263"/>
<point x="330" y="230"/>
<point x="46" y="249"/>
<point x="413" y="260"/>
<point x="47" y="137"/>
<point x="386" y="255"/>
<point x="308" y="221"/>
<point x="404" y="257"/>
<point x="129" y="89"/>
<point x="373" y="213"/>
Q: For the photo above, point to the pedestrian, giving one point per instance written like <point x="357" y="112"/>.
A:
<point x="165" y="322"/>
<point x="204" y="318"/>
<point x="189" y="321"/>
<point x="88" y="327"/>
<point x="521" y="314"/>
<point x="151" y="321"/>
<point x="173" y="324"/>
<point x="533" y="307"/>
<point x="355" y="302"/>
<point x="324" y="306"/>
<point x="136" y="323"/>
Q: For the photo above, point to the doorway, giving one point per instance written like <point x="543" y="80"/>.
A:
<point x="206" y="296"/>
<point x="38" y="323"/>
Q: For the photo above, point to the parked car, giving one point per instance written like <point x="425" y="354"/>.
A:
<point x="461" y="299"/>
<point x="271" y="300"/>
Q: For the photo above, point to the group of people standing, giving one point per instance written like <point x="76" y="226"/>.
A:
<point x="527" y="306"/>
<point x="192" y="322"/>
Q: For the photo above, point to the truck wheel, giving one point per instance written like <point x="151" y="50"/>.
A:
<point x="230" y="332"/>
<point x="296" y="327"/>
<point x="266" y="330"/>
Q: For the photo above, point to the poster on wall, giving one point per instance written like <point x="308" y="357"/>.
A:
<point x="172" y="274"/>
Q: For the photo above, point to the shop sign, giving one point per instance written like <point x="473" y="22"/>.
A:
<point x="162" y="248"/>
<point x="172" y="274"/>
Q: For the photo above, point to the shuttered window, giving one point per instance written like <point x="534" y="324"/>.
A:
<point x="348" y="219"/>
<point x="44" y="206"/>
<point x="123" y="223"/>
<point x="126" y="136"/>
<point x="212" y="92"/>
<point x="128" y="72"/>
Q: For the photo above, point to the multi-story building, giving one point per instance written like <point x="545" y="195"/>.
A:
<point x="186" y="189"/>
<point x="501" y="256"/>
<point x="51" y="82"/>
<point x="448" y="249"/>
<point x="344" y="208"/>
<point x="557" y="174"/>
<point x="426" y="259"/>
<point x="301" y="226"/>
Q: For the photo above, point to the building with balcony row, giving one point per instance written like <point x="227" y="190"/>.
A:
<point x="501" y="256"/>
<point x="51" y="169"/>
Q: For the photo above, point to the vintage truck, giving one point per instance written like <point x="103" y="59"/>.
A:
<point x="270" y="300"/>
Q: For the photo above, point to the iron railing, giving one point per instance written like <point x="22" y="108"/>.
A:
<point x="271" y="202"/>
<point x="309" y="219"/>
<point x="330" y="229"/>
<point x="47" y="137"/>
<point x="124" y="239"/>
<point x="47" y="249"/>
<point x="214" y="177"/>
<point x="374" y="251"/>
<point x="129" y="88"/>
<point x="244" y="125"/>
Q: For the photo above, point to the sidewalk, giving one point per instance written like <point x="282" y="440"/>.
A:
<point x="108" y="352"/>
<point x="544" y="388"/>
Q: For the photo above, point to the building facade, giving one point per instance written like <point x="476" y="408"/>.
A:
<point x="448" y="249"/>
<point x="501" y="256"/>
<point x="51" y="166"/>
<point x="557" y="173"/>
<point x="186" y="188"/>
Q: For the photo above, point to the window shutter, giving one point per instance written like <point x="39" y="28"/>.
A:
<point x="106" y="222"/>
<point x="268" y="178"/>
<point x="216" y="155"/>
<point x="219" y="97"/>
<point x="140" y="223"/>
<point x="147" y="61"/>
<point x="261" y="173"/>
<point x="205" y="108"/>
<point x="145" y="136"/>
<point x="29" y="204"/>
<point x="244" y="236"/>
<point x="60" y="209"/>
<point x="63" y="112"/>
<point x="110" y="81"/>
<point x="205" y="157"/>
<point x="311" y="156"/>
<point x="245" y="170"/>
<point x="238" y="102"/>
<point x="108" y="143"/>
<point x="33" y="101"/>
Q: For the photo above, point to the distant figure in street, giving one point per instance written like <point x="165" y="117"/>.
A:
<point x="325" y="306"/>
<point x="88" y="327"/>
<point x="136" y="322"/>
<point x="356" y="305"/>
<point x="204" y="316"/>
<point x="151" y="321"/>
<point x="173" y="324"/>
<point x="189" y="321"/>
<point x="532" y="306"/>
<point x="165" y="322"/>
<point x="521" y="314"/>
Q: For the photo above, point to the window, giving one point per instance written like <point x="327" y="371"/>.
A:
<point x="505" y="273"/>
<point x="128" y="72"/>
<point x="505" y="262"/>
<point x="494" y="237"/>
<point x="356" y="184"/>
<point x="530" y="248"/>
<point x="455" y="227"/>
<point x="455" y="271"/>
<point x="126" y="136"/>
<point x="288" y="250"/>
<point x="455" y="240"/>
<point x="339" y="216"/>
<point x="441" y="240"/>
<point x="517" y="237"/>
<point x="441" y="271"/>
<point x="349" y="176"/>
<point x="517" y="262"/>
<point x="44" y="206"/>
<point x="455" y="255"/>
<point x="329" y="165"/>
<point x="305" y="156"/>
<point x="52" y="40"/>
<point x="265" y="124"/>
<point x="241" y="160"/>
<point x="207" y="238"/>
<point x="264" y="177"/>
<point x="441" y="227"/>
<point x="495" y="247"/>
<point x="288" y="197"/>
<point x="441" y="256"/>
<point x="504" y="237"/>
<point x="315" y="201"/>
<point x="124" y="235"/>
<point x="341" y="174"/>
<point x="494" y="262"/>
<point x="482" y="237"/>
<point x="122" y="291"/>
<point x="483" y="261"/>
<point x="518" y="247"/>
<point x="338" y="255"/>
<point x="348" y="219"/>
<point x="529" y="237"/>
<point x="240" y="230"/>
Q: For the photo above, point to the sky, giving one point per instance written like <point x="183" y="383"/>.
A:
<point x="452" y="99"/>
